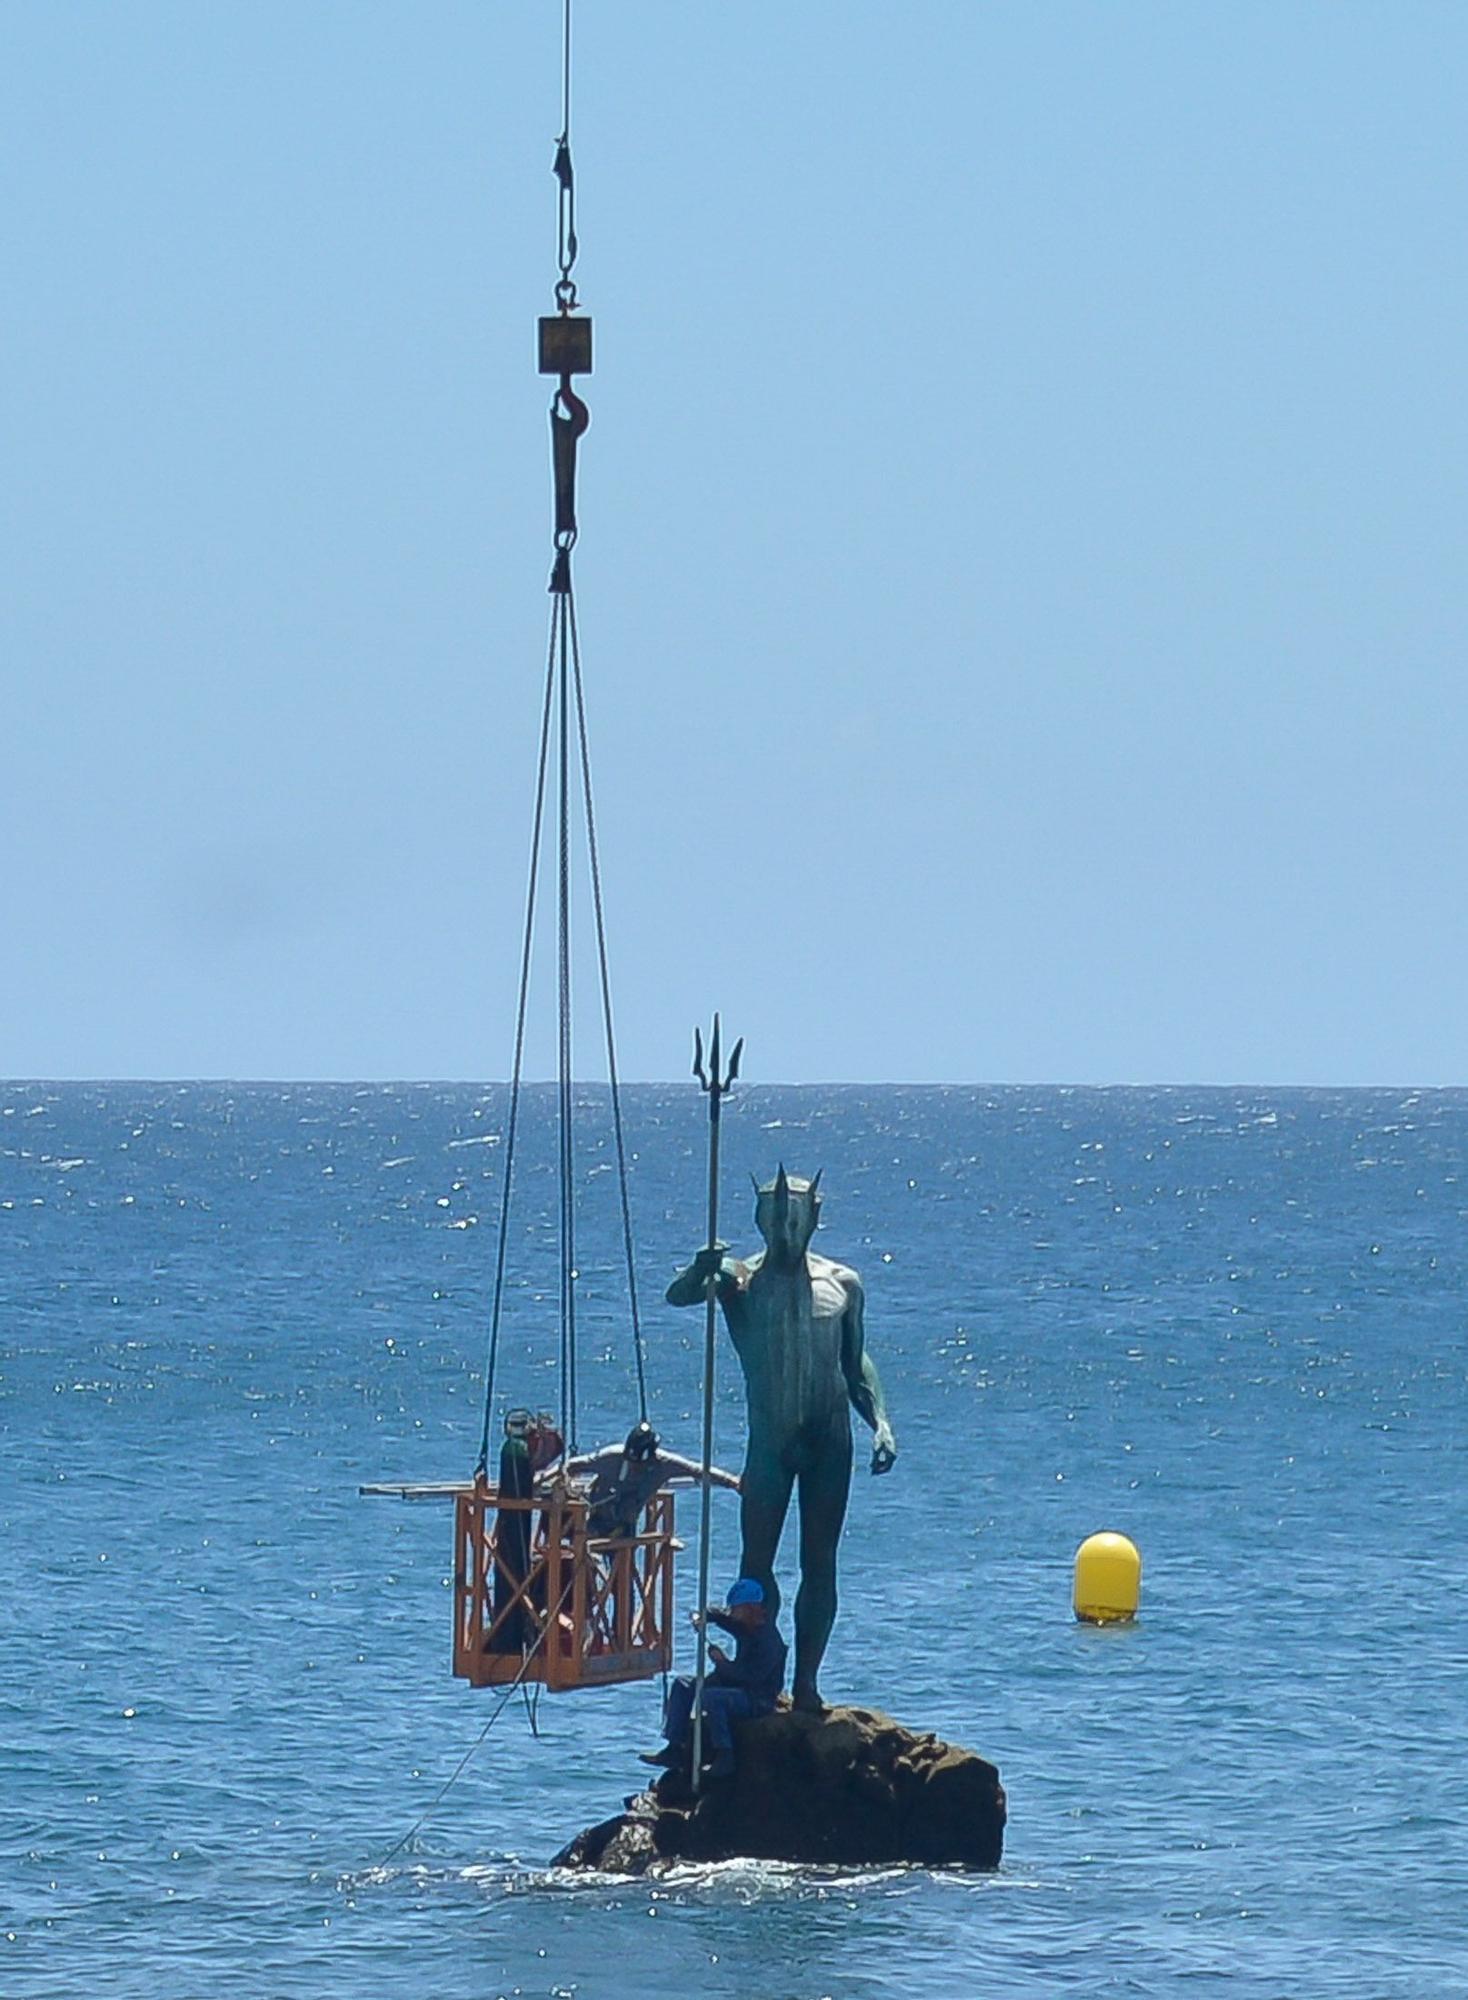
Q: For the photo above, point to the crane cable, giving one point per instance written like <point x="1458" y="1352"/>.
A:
<point x="563" y="688"/>
<point x="512" y="1122"/>
<point x="566" y="244"/>
<point x="639" y="1352"/>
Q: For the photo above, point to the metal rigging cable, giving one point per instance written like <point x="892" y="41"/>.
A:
<point x="566" y="205"/>
<point x="563" y="1039"/>
<point x="593" y="853"/>
<point x="514" y="1117"/>
<point x="539" y="1601"/>
<point x="565" y="351"/>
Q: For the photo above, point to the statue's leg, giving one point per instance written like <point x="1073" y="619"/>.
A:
<point x="763" y="1504"/>
<point x="824" y="1487"/>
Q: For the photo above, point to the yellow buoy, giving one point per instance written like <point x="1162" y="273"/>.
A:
<point x="1108" y="1579"/>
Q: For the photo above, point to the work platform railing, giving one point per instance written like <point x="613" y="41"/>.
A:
<point x="539" y="1597"/>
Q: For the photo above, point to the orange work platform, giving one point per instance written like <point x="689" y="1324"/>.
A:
<point x="538" y="1597"/>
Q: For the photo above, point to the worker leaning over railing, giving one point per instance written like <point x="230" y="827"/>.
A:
<point x="622" y="1478"/>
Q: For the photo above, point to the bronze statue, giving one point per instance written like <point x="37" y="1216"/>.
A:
<point x="796" y="1323"/>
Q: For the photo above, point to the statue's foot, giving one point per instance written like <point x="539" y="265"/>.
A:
<point x="807" y="1698"/>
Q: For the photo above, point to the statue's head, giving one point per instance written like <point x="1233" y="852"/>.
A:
<point x="786" y="1213"/>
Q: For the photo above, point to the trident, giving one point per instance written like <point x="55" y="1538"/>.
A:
<point x="716" y="1082"/>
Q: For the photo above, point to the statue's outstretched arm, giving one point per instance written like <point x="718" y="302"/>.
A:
<point x="863" y="1384"/>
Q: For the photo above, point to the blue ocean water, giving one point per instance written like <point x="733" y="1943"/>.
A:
<point x="1229" y="1323"/>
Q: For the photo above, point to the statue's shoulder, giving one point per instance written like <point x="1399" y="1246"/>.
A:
<point x="833" y="1273"/>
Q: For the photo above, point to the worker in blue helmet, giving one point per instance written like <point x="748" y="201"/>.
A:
<point x="740" y="1686"/>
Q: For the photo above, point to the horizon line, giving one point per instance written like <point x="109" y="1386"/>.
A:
<point x="664" y="1083"/>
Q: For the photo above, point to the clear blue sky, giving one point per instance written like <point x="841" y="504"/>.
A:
<point x="1022" y="583"/>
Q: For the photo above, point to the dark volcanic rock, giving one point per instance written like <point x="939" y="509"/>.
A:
<point x="620" y="1846"/>
<point x="850" y="1786"/>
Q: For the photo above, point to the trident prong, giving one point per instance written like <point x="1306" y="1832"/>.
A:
<point x="715" y="1080"/>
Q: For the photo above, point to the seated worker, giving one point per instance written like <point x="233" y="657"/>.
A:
<point x="747" y="1685"/>
<point x="625" y="1476"/>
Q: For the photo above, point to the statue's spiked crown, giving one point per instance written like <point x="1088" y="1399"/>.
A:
<point x="787" y="1210"/>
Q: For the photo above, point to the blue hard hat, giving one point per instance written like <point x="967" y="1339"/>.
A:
<point x="745" y="1591"/>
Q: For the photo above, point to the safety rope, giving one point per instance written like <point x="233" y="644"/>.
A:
<point x="551" y="1624"/>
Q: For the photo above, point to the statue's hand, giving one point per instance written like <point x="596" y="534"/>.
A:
<point x="708" y="1263"/>
<point x="884" y="1452"/>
